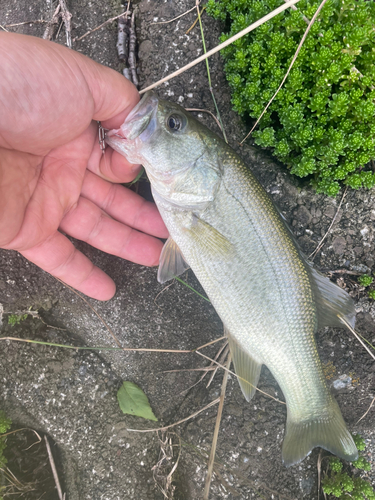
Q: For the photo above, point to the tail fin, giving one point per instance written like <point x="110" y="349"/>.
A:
<point x="328" y="431"/>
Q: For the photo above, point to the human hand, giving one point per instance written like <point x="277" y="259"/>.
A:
<point x="53" y="175"/>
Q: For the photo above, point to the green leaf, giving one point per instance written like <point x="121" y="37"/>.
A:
<point x="133" y="401"/>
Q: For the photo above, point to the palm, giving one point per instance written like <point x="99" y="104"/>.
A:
<point x="58" y="181"/>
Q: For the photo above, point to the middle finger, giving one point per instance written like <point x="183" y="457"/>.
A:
<point x="124" y="205"/>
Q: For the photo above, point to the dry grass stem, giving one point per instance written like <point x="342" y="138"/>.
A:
<point x="162" y="478"/>
<point x="53" y="467"/>
<point x="290" y="67"/>
<point x="38" y="21"/>
<point x="293" y="7"/>
<point x="127" y="12"/>
<point x="223" y="357"/>
<point x="212" y="367"/>
<point x="19" y="430"/>
<point x="2" y="27"/>
<point x="314" y="253"/>
<point x="36" y="442"/>
<point x="342" y="271"/>
<point x="102" y="348"/>
<point x="369" y="408"/>
<point x="211" y="460"/>
<point x="162" y="291"/>
<point x="206" y="111"/>
<point x="204" y="369"/>
<point x="197" y="19"/>
<point x="343" y="320"/>
<point x="175" y="18"/>
<point x="14" y="486"/>
<point x="214" y="402"/>
<point x="209" y="343"/>
<point x="319" y="469"/>
<point x="222" y="45"/>
<point x="240" y="378"/>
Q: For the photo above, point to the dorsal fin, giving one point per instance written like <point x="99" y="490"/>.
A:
<point x="172" y="262"/>
<point x="331" y="301"/>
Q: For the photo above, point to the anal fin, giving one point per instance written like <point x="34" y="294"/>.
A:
<point x="246" y="367"/>
<point x="172" y="262"/>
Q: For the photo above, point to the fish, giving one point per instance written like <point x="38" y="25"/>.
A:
<point x="225" y="227"/>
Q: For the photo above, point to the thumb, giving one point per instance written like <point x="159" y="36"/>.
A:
<point x="49" y="94"/>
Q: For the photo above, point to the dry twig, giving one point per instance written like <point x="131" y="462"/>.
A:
<point x="369" y="408"/>
<point x="197" y="19"/>
<point x="163" y="479"/>
<point x="214" y="402"/>
<point x="131" y="58"/>
<point x="48" y="32"/>
<point x="293" y="7"/>
<point x="343" y="320"/>
<point x="53" y="467"/>
<point x="14" y="25"/>
<point x="175" y="18"/>
<point x="206" y="111"/>
<point x="341" y="271"/>
<point x="101" y="26"/>
<point x="122" y="44"/>
<point x="216" y="433"/>
<point x="66" y="17"/>
<point x="224" y="351"/>
<point x="319" y="468"/>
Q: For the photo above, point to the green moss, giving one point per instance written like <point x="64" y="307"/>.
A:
<point x="365" y="280"/>
<point x="15" y="319"/>
<point x="321" y="123"/>
<point x="339" y="484"/>
<point x="5" y="424"/>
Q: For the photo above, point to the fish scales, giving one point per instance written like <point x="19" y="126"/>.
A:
<point x="267" y="324"/>
<point x="224" y="226"/>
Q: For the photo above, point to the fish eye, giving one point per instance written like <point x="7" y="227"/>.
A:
<point x="175" y="122"/>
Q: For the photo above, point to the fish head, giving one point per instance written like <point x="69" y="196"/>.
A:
<point x="177" y="151"/>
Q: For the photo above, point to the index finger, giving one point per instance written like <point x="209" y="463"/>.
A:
<point x="58" y="256"/>
<point x="111" y="166"/>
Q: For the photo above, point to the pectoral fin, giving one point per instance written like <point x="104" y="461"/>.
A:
<point x="331" y="301"/>
<point x="246" y="367"/>
<point x="172" y="262"/>
<point x="214" y="243"/>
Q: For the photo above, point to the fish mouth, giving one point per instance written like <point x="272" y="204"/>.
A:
<point x="141" y="120"/>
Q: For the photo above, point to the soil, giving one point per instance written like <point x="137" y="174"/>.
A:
<point x="70" y="394"/>
<point x="31" y="474"/>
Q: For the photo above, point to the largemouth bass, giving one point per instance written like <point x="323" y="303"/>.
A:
<point x="224" y="226"/>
